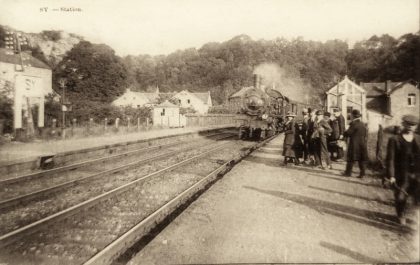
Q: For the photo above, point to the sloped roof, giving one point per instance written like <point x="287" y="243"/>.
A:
<point x="241" y="92"/>
<point x="167" y="104"/>
<point x="9" y="56"/>
<point x="378" y="104"/>
<point x="380" y="89"/>
<point x="202" y="96"/>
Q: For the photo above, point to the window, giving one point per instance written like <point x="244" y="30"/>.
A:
<point x="138" y="106"/>
<point x="179" y="101"/>
<point x="411" y="99"/>
<point x="162" y="113"/>
<point x="188" y="101"/>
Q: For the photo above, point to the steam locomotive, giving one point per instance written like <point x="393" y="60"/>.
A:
<point x="262" y="111"/>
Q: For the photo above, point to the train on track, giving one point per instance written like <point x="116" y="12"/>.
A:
<point x="262" y="110"/>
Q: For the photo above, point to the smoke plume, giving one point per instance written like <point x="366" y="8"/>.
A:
<point x="273" y="76"/>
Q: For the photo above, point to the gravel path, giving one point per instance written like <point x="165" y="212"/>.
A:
<point x="261" y="212"/>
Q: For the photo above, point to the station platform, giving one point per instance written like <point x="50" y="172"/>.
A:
<point x="264" y="213"/>
<point x="17" y="152"/>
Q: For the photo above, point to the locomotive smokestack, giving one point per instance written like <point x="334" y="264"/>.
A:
<point x="257" y="81"/>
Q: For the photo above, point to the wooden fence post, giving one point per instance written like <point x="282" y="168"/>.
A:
<point x="105" y="124"/>
<point x="73" y="125"/>
<point x="117" y="123"/>
<point x="138" y="124"/>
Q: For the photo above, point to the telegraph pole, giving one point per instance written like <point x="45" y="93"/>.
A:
<point x="62" y="83"/>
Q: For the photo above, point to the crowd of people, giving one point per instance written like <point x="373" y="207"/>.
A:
<point x="316" y="140"/>
<point x="320" y="137"/>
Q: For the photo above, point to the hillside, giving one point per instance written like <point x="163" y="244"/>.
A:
<point x="49" y="44"/>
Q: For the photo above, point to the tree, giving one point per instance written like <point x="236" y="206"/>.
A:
<point x="93" y="72"/>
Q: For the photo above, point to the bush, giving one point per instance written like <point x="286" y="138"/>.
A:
<point x="220" y="109"/>
<point x="53" y="35"/>
<point x="6" y="114"/>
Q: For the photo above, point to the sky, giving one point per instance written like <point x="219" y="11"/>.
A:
<point x="164" y="26"/>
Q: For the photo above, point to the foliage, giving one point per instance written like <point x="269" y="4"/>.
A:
<point x="6" y="113"/>
<point x="2" y="36"/>
<point x="93" y="72"/>
<point x="219" y="109"/>
<point x="53" y="35"/>
<point x="223" y="68"/>
<point x="385" y="58"/>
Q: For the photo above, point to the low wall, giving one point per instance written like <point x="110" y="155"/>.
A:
<point x="374" y="119"/>
<point x="194" y="120"/>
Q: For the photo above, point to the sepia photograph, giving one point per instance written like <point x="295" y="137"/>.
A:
<point x="209" y="132"/>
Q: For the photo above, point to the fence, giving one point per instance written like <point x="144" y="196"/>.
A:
<point x="90" y="127"/>
<point x="197" y="120"/>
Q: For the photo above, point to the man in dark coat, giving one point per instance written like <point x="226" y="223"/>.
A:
<point x="357" y="148"/>
<point x="341" y="128"/>
<point x="289" y="138"/>
<point x="333" y="136"/>
<point x="305" y="124"/>
<point x="402" y="163"/>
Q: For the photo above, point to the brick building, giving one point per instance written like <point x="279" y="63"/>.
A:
<point x="389" y="101"/>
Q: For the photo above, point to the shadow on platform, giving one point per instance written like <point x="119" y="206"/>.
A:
<point x="367" y="217"/>
<point x="349" y="253"/>
<point x="353" y="196"/>
<point x="274" y="162"/>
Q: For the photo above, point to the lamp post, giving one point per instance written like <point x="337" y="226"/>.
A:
<point x="62" y="83"/>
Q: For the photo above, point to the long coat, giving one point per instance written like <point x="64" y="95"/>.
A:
<point x="402" y="159"/>
<point x="357" y="149"/>
<point x="289" y="139"/>
<point x="341" y="124"/>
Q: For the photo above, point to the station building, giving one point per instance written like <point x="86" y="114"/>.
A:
<point x="33" y="82"/>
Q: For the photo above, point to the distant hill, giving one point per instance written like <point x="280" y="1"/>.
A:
<point x="48" y="45"/>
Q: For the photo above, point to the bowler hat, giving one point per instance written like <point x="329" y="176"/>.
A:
<point x="309" y="110"/>
<point x="337" y="110"/>
<point x="319" y="112"/>
<point x="410" y="119"/>
<point x="290" y="114"/>
<point x="356" y="113"/>
<point x="327" y="114"/>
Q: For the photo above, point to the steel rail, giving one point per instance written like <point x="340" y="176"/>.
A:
<point x="44" y="192"/>
<point x="43" y="173"/>
<point x="125" y="241"/>
<point x="17" y="234"/>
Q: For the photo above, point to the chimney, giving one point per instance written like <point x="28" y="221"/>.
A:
<point x="388" y="86"/>
<point x="257" y="81"/>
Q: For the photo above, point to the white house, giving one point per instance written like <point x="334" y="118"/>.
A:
<point x="166" y="114"/>
<point x="347" y="96"/>
<point x="136" y="99"/>
<point x="201" y="102"/>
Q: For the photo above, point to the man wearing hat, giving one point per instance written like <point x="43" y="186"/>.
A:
<point x="289" y="139"/>
<point x="322" y="130"/>
<point x="340" y="123"/>
<point x="357" y="148"/>
<point x="304" y="132"/>
<point x="403" y="156"/>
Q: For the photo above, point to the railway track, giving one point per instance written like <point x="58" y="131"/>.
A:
<point x="99" y="229"/>
<point x="24" y="188"/>
<point x="26" y="209"/>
